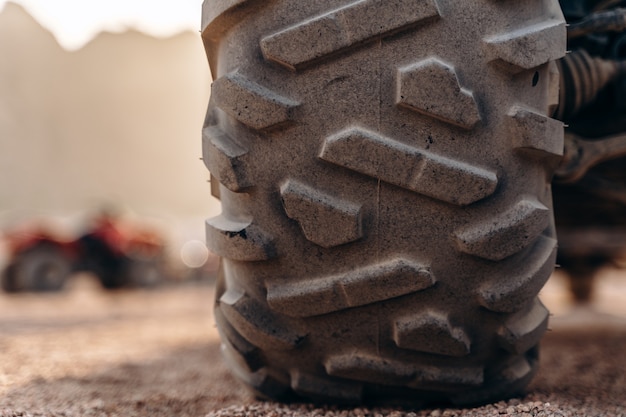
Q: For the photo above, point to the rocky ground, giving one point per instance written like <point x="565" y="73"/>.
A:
<point x="90" y="353"/>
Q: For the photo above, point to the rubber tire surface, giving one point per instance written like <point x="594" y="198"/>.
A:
<point x="384" y="171"/>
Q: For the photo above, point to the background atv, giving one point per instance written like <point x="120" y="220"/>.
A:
<point x="385" y="170"/>
<point x="120" y="256"/>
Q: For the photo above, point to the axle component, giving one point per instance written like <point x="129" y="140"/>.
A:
<point x="583" y="77"/>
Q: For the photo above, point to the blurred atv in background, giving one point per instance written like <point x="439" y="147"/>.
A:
<point x="118" y="254"/>
<point x="590" y="184"/>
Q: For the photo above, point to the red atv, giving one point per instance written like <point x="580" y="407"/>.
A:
<point x="119" y="255"/>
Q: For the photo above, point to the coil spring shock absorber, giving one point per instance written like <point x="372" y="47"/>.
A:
<point x="583" y="77"/>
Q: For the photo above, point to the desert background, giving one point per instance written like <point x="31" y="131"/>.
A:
<point x="115" y="122"/>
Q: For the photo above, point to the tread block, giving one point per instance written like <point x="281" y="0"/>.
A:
<point x="370" y="368"/>
<point x="324" y="219"/>
<point x="270" y="388"/>
<point x="506" y="233"/>
<point x="343" y="28"/>
<point x="255" y="323"/>
<point x="537" y="132"/>
<point x="326" y="388"/>
<point x="225" y="159"/>
<point x="523" y="332"/>
<point x="432" y="88"/>
<point x="244" y="352"/>
<point x="355" y="288"/>
<point x="530" y="46"/>
<point x="250" y="103"/>
<point x="506" y="293"/>
<point x="233" y="357"/>
<point x="394" y="162"/>
<point x="510" y="378"/>
<point x="379" y="370"/>
<point x="518" y="370"/>
<point x="218" y="8"/>
<point x="467" y="376"/>
<point x="262" y="382"/>
<point x="430" y="332"/>
<point x="215" y="187"/>
<point x="240" y="241"/>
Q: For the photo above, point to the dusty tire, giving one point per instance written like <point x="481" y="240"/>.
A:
<point x="384" y="170"/>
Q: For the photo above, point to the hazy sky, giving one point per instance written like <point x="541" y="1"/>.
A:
<point x="76" y="22"/>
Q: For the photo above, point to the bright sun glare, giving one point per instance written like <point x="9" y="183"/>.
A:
<point x="76" y="22"/>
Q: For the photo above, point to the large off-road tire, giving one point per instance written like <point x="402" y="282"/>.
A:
<point x="384" y="170"/>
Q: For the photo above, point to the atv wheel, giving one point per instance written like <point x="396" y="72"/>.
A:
<point x="143" y="273"/>
<point x="384" y="170"/>
<point x="41" y="268"/>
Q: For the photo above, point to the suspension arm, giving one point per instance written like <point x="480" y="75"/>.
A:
<point x="583" y="154"/>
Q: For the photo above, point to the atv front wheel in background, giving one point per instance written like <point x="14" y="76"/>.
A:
<point x="384" y="170"/>
<point x="42" y="268"/>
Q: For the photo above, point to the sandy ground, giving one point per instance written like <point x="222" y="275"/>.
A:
<point x="90" y="353"/>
